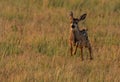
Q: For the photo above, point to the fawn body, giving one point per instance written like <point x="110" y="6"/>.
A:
<point x="78" y="38"/>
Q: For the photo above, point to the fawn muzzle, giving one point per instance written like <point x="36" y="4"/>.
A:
<point x="73" y="26"/>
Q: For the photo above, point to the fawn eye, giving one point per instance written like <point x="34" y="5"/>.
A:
<point x="76" y="22"/>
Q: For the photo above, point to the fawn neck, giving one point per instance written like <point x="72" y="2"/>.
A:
<point x="76" y="33"/>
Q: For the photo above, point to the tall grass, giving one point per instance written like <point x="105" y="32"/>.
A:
<point x="34" y="41"/>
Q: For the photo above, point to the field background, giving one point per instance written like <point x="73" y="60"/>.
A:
<point x="34" y="41"/>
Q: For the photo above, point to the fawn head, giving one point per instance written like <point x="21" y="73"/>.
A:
<point x="74" y="21"/>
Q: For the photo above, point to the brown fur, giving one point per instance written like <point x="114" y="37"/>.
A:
<point x="78" y="38"/>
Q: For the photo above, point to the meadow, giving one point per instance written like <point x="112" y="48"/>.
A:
<point x="34" y="38"/>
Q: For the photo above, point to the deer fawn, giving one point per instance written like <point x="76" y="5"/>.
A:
<point x="78" y="38"/>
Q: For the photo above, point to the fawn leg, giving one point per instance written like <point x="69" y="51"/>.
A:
<point x="90" y="51"/>
<point x="71" y="49"/>
<point x="76" y="48"/>
<point x="82" y="53"/>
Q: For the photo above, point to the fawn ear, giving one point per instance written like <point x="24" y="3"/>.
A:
<point x="82" y="17"/>
<point x="71" y="15"/>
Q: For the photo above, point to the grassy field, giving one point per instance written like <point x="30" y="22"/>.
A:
<point x="34" y="41"/>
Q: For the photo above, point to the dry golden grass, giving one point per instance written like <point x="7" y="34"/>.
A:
<point x="34" y="41"/>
